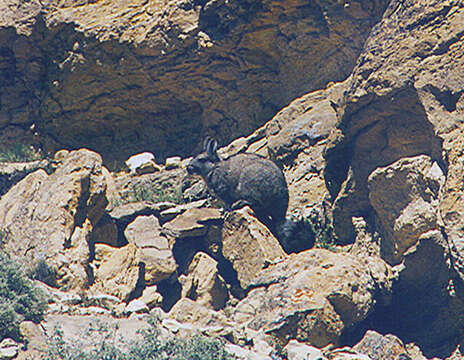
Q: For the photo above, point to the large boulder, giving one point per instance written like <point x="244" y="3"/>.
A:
<point x="49" y="218"/>
<point x="117" y="271"/>
<point x="155" y="254"/>
<point x="248" y="245"/>
<point x="404" y="196"/>
<point x="204" y="284"/>
<point x="313" y="297"/>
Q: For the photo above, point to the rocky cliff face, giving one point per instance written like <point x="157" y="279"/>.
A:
<point x="373" y="162"/>
<point x="122" y="77"/>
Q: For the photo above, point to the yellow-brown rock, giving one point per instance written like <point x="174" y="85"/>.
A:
<point x="204" y="284"/>
<point x="248" y="245"/>
<point x="161" y="69"/>
<point x="118" y="272"/>
<point x="312" y="297"/>
<point x="50" y="217"/>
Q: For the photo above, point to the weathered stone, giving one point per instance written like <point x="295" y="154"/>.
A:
<point x="193" y="222"/>
<point x="140" y="163"/>
<point x="154" y="251"/>
<point x="189" y="311"/>
<point x="8" y="349"/>
<point x="126" y="213"/>
<point x="85" y="332"/>
<point x="248" y="245"/>
<point x="12" y="173"/>
<point x="145" y="231"/>
<point x="404" y="196"/>
<point x="299" y="351"/>
<point x="217" y="66"/>
<point x="204" y="284"/>
<point x="151" y="297"/>
<point x="312" y="297"/>
<point x="49" y="217"/>
<point x="136" y="306"/>
<point x="403" y="99"/>
<point x="34" y="335"/>
<point x="172" y="212"/>
<point x="119" y="272"/>
<point x="382" y="347"/>
<point x="173" y="162"/>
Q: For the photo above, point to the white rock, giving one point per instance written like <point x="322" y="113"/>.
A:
<point x="300" y="351"/>
<point x="173" y="162"/>
<point x="136" y="306"/>
<point x="244" y="354"/>
<point x="8" y="349"/>
<point x="139" y="160"/>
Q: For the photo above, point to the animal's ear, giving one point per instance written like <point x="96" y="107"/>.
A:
<point x="211" y="148"/>
<point x="206" y="142"/>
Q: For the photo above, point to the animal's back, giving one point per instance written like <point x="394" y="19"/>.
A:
<point x="259" y="182"/>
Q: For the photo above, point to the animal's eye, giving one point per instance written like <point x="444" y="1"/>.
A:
<point x="202" y="159"/>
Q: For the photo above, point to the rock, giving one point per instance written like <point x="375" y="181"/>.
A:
<point x="297" y="137"/>
<point x="119" y="272"/>
<point x="204" y="284"/>
<point x="124" y="214"/>
<point x="143" y="163"/>
<point x="151" y="297"/>
<point x="187" y="311"/>
<point x="299" y="351"/>
<point x="312" y="297"/>
<point x="145" y="231"/>
<point x="105" y="301"/>
<point x="191" y="223"/>
<point x="136" y="306"/>
<point x="86" y="332"/>
<point x="154" y="251"/>
<point x="12" y="173"/>
<point x="8" y="349"/>
<point x="248" y="245"/>
<point x="34" y="335"/>
<point x="50" y="217"/>
<point x="402" y="101"/>
<point x="172" y="212"/>
<point x="381" y="347"/>
<point x="347" y="354"/>
<point x="173" y="162"/>
<point x="201" y="89"/>
<point x="404" y="196"/>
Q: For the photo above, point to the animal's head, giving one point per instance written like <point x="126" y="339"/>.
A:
<point x="203" y="163"/>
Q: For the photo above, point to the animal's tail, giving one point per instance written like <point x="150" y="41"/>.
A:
<point x="295" y="235"/>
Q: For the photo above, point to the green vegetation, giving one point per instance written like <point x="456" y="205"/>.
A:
<point x="323" y="233"/>
<point x="147" y="191"/>
<point x="150" y="347"/>
<point x="19" y="300"/>
<point x="43" y="272"/>
<point x="20" y="153"/>
<point x="156" y="193"/>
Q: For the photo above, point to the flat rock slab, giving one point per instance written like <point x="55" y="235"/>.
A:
<point x="192" y="222"/>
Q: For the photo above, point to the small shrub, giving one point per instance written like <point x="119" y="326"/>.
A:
<point x="154" y="193"/>
<point x="19" y="300"/>
<point x="43" y="272"/>
<point x="20" y="153"/>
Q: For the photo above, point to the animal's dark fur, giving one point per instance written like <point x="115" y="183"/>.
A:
<point x="247" y="179"/>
